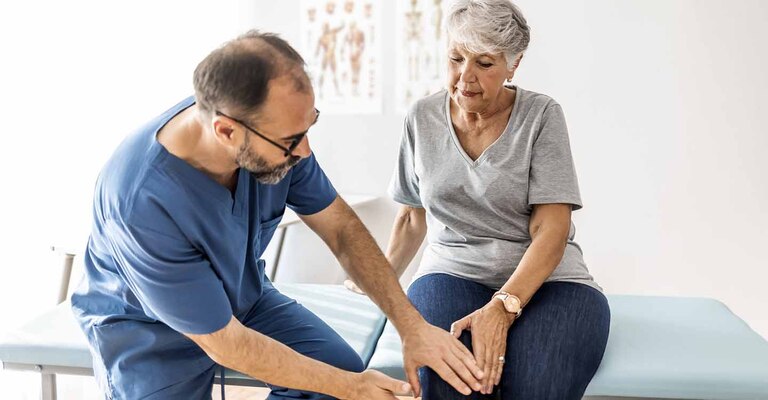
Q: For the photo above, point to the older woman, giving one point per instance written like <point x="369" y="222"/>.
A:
<point x="485" y="172"/>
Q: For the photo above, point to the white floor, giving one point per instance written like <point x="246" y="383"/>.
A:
<point x="26" y="386"/>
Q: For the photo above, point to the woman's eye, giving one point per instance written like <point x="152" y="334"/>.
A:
<point x="456" y="59"/>
<point x="485" y="65"/>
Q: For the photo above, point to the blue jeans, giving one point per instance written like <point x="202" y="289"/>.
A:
<point x="553" y="350"/>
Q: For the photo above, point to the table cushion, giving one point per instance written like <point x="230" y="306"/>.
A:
<point x="660" y="347"/>
<point x="52" y="338"/>
<point x="55" y="339"/>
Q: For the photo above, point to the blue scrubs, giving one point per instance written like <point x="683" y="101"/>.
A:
<point x="171" y="250"/>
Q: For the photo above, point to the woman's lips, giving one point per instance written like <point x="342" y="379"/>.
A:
<point x="467" y="94"/>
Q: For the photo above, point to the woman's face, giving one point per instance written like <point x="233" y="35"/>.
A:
<point x="476" y="81"/>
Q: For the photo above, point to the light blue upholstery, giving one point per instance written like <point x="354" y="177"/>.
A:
<point x="683" y="348"/>
<point x="356" y="318"/>
<point x="661" y="347"/>
<point x="54" y="340"/>
<point x="388" y="357"/>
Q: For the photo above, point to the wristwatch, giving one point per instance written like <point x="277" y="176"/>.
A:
<point x="512" y="303"/>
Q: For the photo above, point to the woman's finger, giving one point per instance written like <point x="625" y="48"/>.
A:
<point x="490" y="364"/>
<point x="352" y="286"/>
<point x="458" y="345"/>
<point x="503" y="353"/>
<point x="497" y="365"/>
<point x="478" y="350"/>
<point x="460" y="325"/>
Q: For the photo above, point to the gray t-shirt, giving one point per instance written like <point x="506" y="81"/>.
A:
<point x="478" y="211"/>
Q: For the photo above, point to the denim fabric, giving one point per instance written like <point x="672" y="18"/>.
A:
<point x="553" y="349"/>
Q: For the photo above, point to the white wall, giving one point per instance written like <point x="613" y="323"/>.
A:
<point x="75" y="77"/>
<point x="666" y="103"/>
<point x="664" y="100"/>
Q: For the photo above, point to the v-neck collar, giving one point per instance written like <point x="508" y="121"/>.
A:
<point x="234" y="201"/>
<point x="484" y="154"/>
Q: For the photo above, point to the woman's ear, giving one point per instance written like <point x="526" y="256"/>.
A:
<point x="517" y="63"/>
<point x="511" y="72"/>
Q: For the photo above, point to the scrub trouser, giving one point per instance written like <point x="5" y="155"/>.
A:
<point x="283" y="319"/>
<point x="553" y="350"/>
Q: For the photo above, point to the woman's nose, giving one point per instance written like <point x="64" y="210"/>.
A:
<point x="467" y="74"/>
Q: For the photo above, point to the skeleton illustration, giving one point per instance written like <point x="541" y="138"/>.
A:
<point x="437" y="18"/>
<point x="413" y="40"/>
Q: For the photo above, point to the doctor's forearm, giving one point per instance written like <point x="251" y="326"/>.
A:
<point x="242" y="349"/>
<point x="363" y="260"/>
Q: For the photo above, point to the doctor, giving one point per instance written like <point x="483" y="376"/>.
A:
<point x="182" y="212"/>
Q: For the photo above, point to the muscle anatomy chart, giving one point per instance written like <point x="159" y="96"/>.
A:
<point x="341" y="45"/>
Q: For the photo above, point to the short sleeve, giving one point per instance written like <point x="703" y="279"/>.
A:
<point x="553" y="173"/>
<point x="172" y="280"/>
<point x="310" y="190"/>
<point x="404" y="186"/>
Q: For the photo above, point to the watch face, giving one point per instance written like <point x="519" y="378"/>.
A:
<point x="511" y="304"/>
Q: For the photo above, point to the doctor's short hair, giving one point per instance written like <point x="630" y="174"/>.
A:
<point x="488" y="26"/>
<point x="235" y="77"/>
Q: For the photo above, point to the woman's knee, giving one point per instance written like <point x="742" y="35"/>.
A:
<point x="443" y="299"/>
<point x="433" y="387"/>
<point x="554" y="350"/>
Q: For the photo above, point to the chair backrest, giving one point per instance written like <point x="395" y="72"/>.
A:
<point x="304" y="257"/>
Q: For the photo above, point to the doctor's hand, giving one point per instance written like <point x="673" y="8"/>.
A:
<point x="374" y="385"/>
<point x="428" y="345"/>
<point x="489" y="326"/>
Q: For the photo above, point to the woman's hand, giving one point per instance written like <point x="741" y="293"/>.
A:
<point x="489" y="326"/>
<point x="352" y="286"/>
<point x="427" y="345"/>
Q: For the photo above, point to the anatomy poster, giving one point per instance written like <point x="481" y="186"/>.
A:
<point x="421" y="46"/>
<point x="341" y="43"/>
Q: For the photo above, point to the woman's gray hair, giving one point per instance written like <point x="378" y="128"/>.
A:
<point x="488" y="26"/>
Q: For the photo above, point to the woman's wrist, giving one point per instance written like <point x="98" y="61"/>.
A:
<point x="498" y="307"/>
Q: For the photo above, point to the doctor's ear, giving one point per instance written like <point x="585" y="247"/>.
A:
<point x="223" y="128"/>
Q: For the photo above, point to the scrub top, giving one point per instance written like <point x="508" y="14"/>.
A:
<point x="172" y="251"/>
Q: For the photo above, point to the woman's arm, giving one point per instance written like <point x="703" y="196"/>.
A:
<point x="408" y="233"/>
<point x="548" y="227"/>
